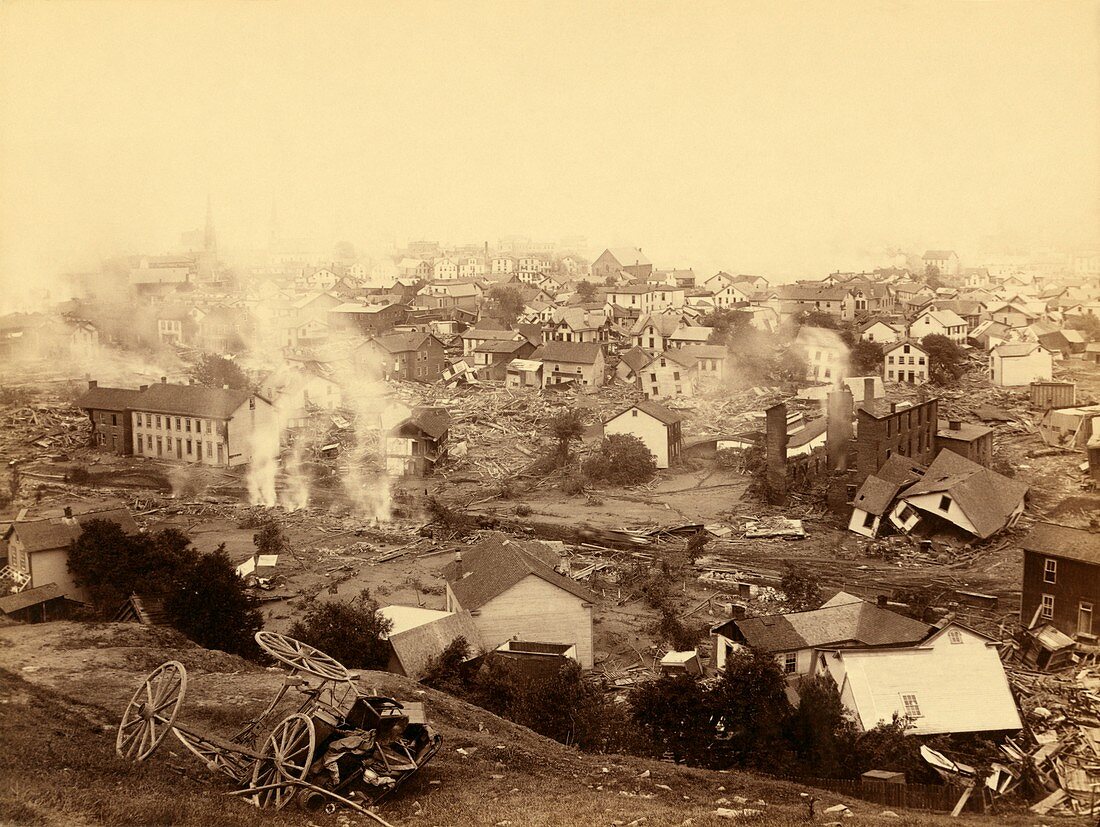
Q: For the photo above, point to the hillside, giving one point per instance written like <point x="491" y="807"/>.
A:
<point x="65" y="684"/>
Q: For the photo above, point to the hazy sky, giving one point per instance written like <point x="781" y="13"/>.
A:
<point x="773" y="137"/>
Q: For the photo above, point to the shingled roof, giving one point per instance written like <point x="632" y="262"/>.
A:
<point x="578" y="353"/>
<point x="107" y="399"/>
<point x="859" y="623"/>
<point x="500" y="567"/>
<point x="48" y="533"/>
<point x="401" y="342"/>
<point x="1063" y="541"/>
<point x="658" y="412"/>
<point x="190" y="400"/>
<point x="984" y="496"/>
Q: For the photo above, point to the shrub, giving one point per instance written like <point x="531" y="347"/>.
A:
<point x="622" y="459"/>
<point x="353" y="632"/>
<point x="573" y="484"/>
<point x="801" y="589"/>
<point x="523" y="510"/>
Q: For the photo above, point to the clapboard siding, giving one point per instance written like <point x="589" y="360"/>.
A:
<point x="538" y="611"/>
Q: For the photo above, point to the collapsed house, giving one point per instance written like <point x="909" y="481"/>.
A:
<point x="957" y="491"/>
<point x="843" y="621"/>
<point x="1071" y="427"/>
<point x="417" y="635"/>
<point x="950" y="682"/>
<point x="878" y="492"/>
<point x="416" y="444"/>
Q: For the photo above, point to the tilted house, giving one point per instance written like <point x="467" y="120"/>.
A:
<point x="417" y="635"/>
<point x="875" y="497"/>
<point x="417" y="443"/>
<point x="953" y="681"/>
<point x="513" y="592"/>
<point x="416" y="356"/>
<point x="792" y="638"/>
<point x="961" y="492"/>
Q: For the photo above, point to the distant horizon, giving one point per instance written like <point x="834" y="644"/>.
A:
<point x="789" y="140"/>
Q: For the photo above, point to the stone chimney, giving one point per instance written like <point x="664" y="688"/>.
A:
<point x="869" y="393"/>
<point x="737" y="611"/>
<point x="954" y="424"/>
<point x="164" y="380"/>
<point x="92" y="383"/>
<point x="893" y="407"/>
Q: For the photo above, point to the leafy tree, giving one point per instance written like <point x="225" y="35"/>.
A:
<point x="353" y="633"/>
<point x="215" y="371"/>
<point x="566" y="427"/>
<point x="789" y="366"/>
<point x="887" y="747"/>
<point x="946" y="361"/>
<point x="270" y="539"/>
<point x="800" y="588"/>
<point x="820" y="731"/>
<point x="932" y="277"/>
<point x="751" y="710"/>
<point x="673" y="713"/>
<point x="587" y="290"/>
<point x="1087" y="324"/>
<point x="507" y="303"/>
<point x="622" y="459"/>
<point x="725" y="320"/>
<point x="212" y="606"/>
<point x="696" y="545"/>
<point x="112" y="564"/>
<point x="865" y="358"/>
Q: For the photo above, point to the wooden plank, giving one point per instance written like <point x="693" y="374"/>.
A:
<point x="1049" y="803"/>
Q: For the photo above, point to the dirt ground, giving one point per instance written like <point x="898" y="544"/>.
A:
<point x="335" y="553"/>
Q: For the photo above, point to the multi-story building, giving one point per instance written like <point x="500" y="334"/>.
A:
<point x="910" y="432"/>
<point x="905" y="361"/>
<point x="1061" y="583"/>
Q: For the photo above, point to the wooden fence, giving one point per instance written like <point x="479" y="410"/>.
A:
<point x="892" y="796"/>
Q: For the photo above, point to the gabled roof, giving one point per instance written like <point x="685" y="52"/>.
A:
<point x="859" y="623"/>
<point x="416" y="640"/>
<point x="107" y="399"/>
<point x="636" y="359"/>
<point x="401" y="342"/>
<point x="698" y="334"/>
<point x="48" y="533"/>
<point x="867" y="325"/>
<point x="658" y="412"/>
<point x="1063" y="541"/>
<point x="628" y="256"/>
<point x="879" y="490"/>
<point x="433" y="421"/>
<point x="581" y="353"/>
<point x="190" y="400"/>
<point x="938" y="254"/>
<point x="705" y="351"/>
<point x="500" y="565"/>
<point x="1012" y="350"/>
<point x="984" y="496"/>
<point x="501" y="346"/>
<point x="665" y="323"/>
<point x="945" y="318"/>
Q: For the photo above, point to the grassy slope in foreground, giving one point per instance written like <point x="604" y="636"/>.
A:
<point x="56" y="722"/>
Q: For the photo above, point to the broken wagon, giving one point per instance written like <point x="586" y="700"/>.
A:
<point x="340" y="746"/>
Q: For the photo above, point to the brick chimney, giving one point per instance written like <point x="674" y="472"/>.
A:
<point x="92" y="383"/>
<point x="143" y="387"/>
<point x="954" y="424"/>
<point x="164" y="380"/>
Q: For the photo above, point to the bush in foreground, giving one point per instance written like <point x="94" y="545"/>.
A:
<point x="622" y="459"/>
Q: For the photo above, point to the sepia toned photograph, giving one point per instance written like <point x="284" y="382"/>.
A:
<point x="551" y="413"/>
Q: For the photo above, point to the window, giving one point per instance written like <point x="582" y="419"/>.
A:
<point x="114" y="419"/>
<point x="1084" y="618"/>
<point x="1047" y="607"/>
<point x="889" y="360"/>
<point x="149" y="443"/>
<point x="633" y="411"/>
<point x="890" y="374"/>
<point x="1050" y="571"/>
<point x="945" y="503"/>
<point x="138" y="444"/>
<point x="208" y="424"/>
<point x="790" y="663"/>
<point x="187" y="425"/>
<point x="676" y="375"/>
<point x="955" y="636"/>
<point x="178" y="424"/>
<point x="188" y="446"/>
<point x="905" y="348"/>
<point x="868" y="520"/>
<point x="149" y="420"/>
<point x="912" y="708"/>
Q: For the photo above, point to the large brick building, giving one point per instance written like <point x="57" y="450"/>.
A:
<point x="909" y="432"/>
<point x="109" y="411"/>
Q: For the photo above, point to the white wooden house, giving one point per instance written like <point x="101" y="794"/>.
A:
<point x="653" y="424"/>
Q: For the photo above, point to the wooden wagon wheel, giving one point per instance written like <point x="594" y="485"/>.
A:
<point x="284" y="761"/>
<point x="152" y="711"/>
<point x="301" y="657"/>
